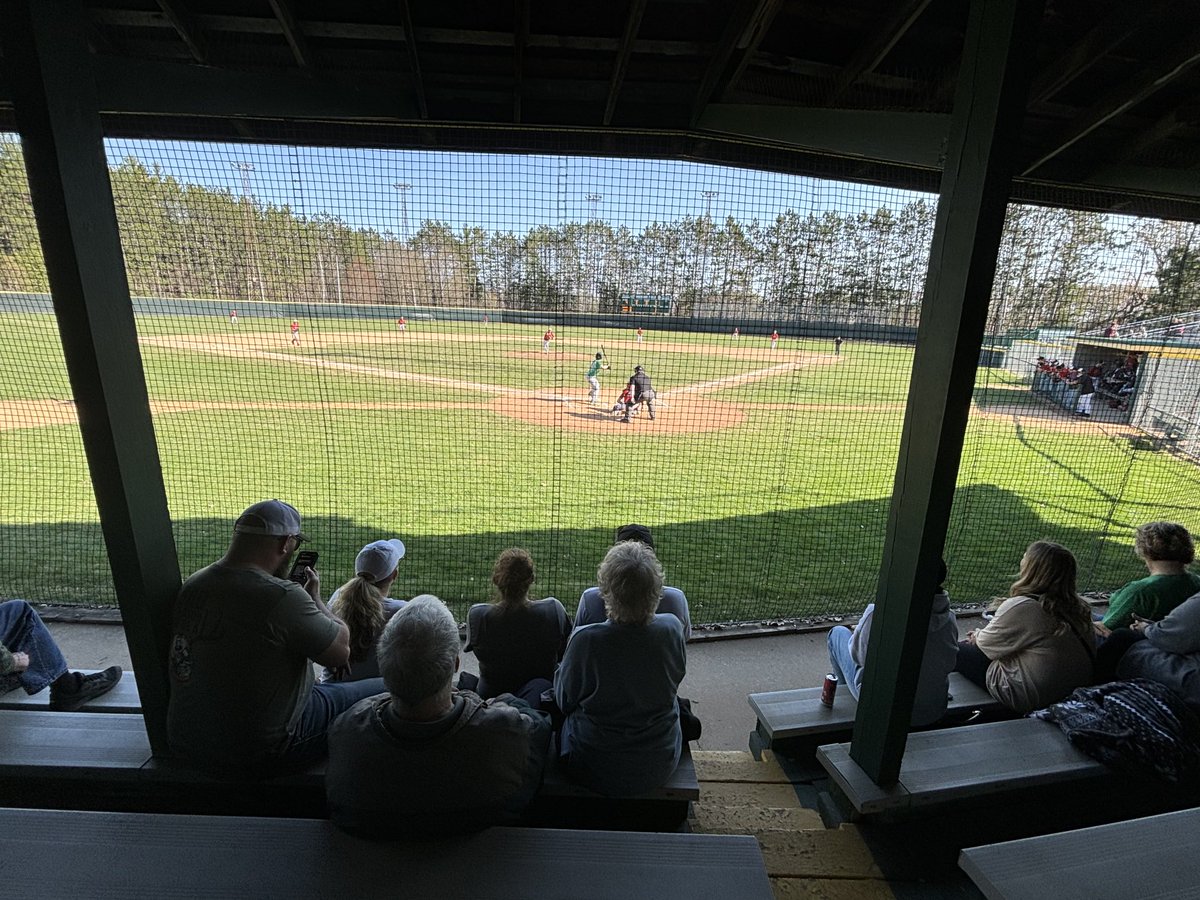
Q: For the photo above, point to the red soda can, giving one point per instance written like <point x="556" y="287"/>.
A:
<point x="828" y="689"/>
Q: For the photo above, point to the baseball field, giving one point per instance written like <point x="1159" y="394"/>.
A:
<point x="766" y="474"/>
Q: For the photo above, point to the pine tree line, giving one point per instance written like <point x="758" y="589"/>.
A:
<point x="1055" y="267"/>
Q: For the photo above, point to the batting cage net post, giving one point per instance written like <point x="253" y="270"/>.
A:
<point x="399" y="343"/>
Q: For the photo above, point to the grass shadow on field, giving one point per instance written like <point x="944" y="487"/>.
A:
<point x="792" y="563"/>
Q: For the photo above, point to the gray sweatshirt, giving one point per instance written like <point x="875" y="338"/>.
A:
<point x="941" y="652"/>
<point x="1170" y="654"/>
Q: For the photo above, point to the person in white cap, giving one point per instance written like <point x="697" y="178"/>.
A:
<point x="363" y="604"/>
<point x="243" y="701"/>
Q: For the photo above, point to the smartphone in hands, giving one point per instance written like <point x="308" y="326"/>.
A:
<point x="305" y="559"/>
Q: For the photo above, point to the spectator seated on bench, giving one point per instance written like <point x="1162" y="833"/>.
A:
<point x="1038" y="647"/>
<point x="1167" y="652"/>
<point x="363" y="604"/>
<point x="591" y="606"/>
<point x="424" y="759"/>
<point x="518" y="642"/>
<point x="848" y="654"/>
<point x="1167" y="549"/>
<point x="618" y="682"/>
<point x="243" y="701"/>
<point x="30" y="659"/>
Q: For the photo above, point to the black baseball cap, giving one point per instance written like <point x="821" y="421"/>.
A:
<point x="635" y="533"/>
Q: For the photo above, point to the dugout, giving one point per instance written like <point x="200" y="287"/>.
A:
<point x="1163" y="395"/>
<point x="988" y="102"/>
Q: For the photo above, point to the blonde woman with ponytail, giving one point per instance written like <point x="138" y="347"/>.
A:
<point x="364" y="605"/>
<point x="1038" y="647"/>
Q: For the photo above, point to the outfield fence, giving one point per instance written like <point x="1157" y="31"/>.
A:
<point x="364" y="333"/>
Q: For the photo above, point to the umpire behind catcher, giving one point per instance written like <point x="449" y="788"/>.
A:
<point x="642" y="390"/>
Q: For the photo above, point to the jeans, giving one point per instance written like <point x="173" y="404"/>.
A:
<point x="843" y="665"/>
<point x="22" y="631"/>
<point x="327" y="702"/>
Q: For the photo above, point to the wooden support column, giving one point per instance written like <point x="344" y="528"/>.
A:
<point x="45" y="46"/>
<point x="980" y="160"/>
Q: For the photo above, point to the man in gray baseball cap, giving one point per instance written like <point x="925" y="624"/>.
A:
<point x="243" y="698"/>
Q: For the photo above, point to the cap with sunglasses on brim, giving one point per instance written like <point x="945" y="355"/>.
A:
<point x="379" y="559"/>
<point x="635" y="533"/>
<point x="271" y="517"/>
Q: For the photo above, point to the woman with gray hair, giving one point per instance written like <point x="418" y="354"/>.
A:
<point x="1166" y="548"/>
<point x="618" y="681"/>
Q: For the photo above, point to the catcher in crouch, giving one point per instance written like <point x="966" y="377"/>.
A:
<point x="642" y="390"/>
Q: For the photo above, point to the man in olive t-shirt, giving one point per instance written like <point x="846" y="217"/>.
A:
<point x="243" y="698"/>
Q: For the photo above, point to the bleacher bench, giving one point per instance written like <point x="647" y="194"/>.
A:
<point x="123" y="698"/>
<point x="963" y="763"/>
<point x="799" y="715"/>
<point x="105" y="854"/>
<point x="93" y="761"/>
<point x="1145" y="858"/>
<point x="1164" y="429"/>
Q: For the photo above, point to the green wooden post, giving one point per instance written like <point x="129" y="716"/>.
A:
<point x="56" y="111"/>
<point x="980" y="160"/>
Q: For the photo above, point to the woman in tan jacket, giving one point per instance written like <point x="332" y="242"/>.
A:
<point x="1038" y="647"/>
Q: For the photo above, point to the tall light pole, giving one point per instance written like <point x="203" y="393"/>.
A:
<point x="403" y="187"/>
<point x="708" y="196"/>
<point x="594" y="202"/>
<point x="245" y="168"/>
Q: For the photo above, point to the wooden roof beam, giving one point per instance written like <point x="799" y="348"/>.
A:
<point x="1089" y="49"/>
<point x="187" y="29"/>
<point x="520" y="40"/>
<point x="876" y="48"/>
<point x="292" y="32"/>
<point x="743" y="15"/>
<point x="1180" y="58"/>
<point x="1146" y="138"/>
<point x="414" y="59"/>
<point x="753" y="36"/>
<point x="633" y="22"/>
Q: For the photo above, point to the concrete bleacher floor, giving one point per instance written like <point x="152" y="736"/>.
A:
<point x="721" y="674"/>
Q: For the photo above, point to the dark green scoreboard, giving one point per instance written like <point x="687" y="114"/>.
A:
<point x="653" y="304"/>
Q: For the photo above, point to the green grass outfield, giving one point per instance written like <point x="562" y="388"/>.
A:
<point x="768" y="496"/>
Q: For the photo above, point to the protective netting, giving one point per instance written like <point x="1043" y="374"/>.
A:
<point x="398" y="342"/>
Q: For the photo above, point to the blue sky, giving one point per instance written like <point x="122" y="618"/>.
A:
<point x="498" y="192"/>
